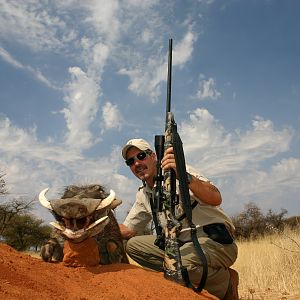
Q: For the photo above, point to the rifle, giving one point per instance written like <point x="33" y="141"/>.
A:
<point x="165" y="199"/>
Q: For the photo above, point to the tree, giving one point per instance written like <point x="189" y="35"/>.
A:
<point x="276" y="220"/>
<point x="18" y="228"/>
<point x="251" y="222"/>
<point x="26" y="231"/>
<point x="3" y="190"/>
<point x="12" y="208"/>
<point x="40" y="235"/>
<point x="293" y="222"/>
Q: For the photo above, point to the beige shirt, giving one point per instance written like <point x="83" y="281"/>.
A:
<point x="203" y="214"/>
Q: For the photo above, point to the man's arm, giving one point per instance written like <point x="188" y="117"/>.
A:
<point x="126" y="232"/>
<point x="203" y="190"/>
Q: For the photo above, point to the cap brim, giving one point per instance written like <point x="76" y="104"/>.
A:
<point x="137" y="143"/>
<point x="125" y="149"/>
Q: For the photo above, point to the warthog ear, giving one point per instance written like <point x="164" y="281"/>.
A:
<point x="107" y="201"/>
<point x="43" y="200"/>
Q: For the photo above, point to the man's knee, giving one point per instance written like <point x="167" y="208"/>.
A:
<point x="132" y="245"/>
<point x="144" y="246"/>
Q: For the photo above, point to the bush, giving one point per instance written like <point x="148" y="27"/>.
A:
<point x="252" y="223"/>
<point x="3" y="190"/>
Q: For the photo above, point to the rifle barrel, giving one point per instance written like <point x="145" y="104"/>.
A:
<point x="169" y="83"/>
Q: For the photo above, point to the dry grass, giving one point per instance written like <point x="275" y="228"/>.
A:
<point x="269" y="268"/>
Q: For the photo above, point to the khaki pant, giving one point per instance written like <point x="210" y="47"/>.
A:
<point x="219" y="258"/>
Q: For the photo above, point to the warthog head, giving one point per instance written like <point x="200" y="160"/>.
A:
<point x="81" y="211"/>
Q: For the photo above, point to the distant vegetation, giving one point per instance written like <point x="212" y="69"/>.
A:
<point x="18" y="227"/>
<point x="251" y="223"/>
<point x="2" y="184"/>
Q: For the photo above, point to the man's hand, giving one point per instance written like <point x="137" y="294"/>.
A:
<point x="168" y="161"/>
<point x="126" y="232"/>
<point x="203" y="190"/>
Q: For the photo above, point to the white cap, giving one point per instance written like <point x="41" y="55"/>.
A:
<point x="138" y="143"/>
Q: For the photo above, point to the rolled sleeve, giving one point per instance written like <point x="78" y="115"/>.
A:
<point x="139" y="216"/>
<point x="195" y="173"/>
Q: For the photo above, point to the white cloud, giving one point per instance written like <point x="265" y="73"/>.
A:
<point x="141" y="3"/>
<point x="208" y="143"/>
<point x="111" y="116"/>
<point x="207" y="89"/>
<point x="146" y="81"/>
<point x="20" y="142"/>
<point x="146" y="78"/>
<point x="273" y="188"/>
<point x="31" y="24"/>
<point x="184" y="49"/>
<point x="202" y="131"/>
<point x="15" y="63"/>
<point x="16" y="139"/>
<point x="264" y="140"/>
<point x="236" y="160"/>
<point x="103" y="16"/>
<point x="9" y="59"/>
<point x="207" y="2"/>
<point x="31" y="165"/>
<point x="28" y="162"/>
<point x="82" y="106"/>
<point x="281" y="176"/>
<point x="100" y="54"/>
<point x="147" y="35"/>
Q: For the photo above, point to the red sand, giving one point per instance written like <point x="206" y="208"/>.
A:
<point x="26" y="277"/>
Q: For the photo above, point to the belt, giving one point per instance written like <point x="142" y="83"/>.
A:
<point x="216" y="231"/>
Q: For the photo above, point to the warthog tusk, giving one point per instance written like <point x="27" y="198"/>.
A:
<point x="98" y="222"/>
<point x="57" y="226"/>
<point x="43" y="200"/>
<point x="107" y="201"/>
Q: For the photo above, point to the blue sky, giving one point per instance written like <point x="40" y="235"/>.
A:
<point x="80" y="78"/>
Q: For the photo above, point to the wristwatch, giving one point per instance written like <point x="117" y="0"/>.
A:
<point x="189" y="177"/>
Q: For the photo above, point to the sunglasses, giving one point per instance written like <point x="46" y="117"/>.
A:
<point x="140" y="156"/>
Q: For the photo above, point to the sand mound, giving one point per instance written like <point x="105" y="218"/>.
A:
<point x="26" y="277"/>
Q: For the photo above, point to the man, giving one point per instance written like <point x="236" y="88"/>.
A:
<point x="207" y="215"/>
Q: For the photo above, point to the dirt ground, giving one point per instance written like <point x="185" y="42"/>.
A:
<point x="25" y="277"/>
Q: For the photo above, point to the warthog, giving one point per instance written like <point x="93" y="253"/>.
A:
<point x="85" y="219"/>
